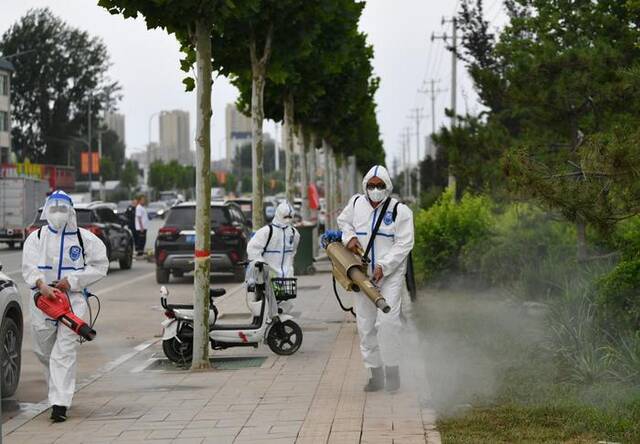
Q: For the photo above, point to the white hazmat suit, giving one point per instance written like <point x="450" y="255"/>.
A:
<point x="50" y="254"/>
<point x="390" y="250"/>
<point x="276" y="243"/>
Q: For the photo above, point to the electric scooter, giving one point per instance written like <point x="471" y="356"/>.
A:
<point x="281" y="333"/>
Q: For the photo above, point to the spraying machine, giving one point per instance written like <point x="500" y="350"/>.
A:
<point x="59" y="308"/>
<point x="349" y="270"/>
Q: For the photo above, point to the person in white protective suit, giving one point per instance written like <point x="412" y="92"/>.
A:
<point x="380" y="333"/>
<point x="276" y="243"/>
<point x="69" y="258"/>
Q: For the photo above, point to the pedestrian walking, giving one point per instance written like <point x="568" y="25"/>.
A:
<point x="141" y="225"/>
<point x="387" y="250"/>
<point x="60" y="255"/>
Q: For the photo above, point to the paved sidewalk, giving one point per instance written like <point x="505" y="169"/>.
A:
<point x="314" y="396"/>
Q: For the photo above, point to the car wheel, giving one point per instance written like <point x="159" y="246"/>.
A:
<point x="162" y="275"/>
<point x="11" y="245"/>
<point x="10" y="356"/>
<point x="126" y="262"/>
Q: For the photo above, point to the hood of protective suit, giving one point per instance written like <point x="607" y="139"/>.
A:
<point x="283" y="210"/>
<point x="383" y="174"/>
<point x="58" y="211"/>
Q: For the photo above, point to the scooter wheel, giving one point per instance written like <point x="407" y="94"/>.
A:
<point x="284" y="338"/>
<point x="178" y="352"/>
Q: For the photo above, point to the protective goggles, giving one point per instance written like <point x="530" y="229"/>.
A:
<point x="379" y="186"/>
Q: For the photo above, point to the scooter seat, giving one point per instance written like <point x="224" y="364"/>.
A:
<point x="217" y="292"/>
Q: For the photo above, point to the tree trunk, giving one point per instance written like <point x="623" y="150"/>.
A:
<point x="288" y="147"/>
<point x="304" y="164"/>
<point x="327" y="192"/>
<point x="581" y="232"/>
<point x="258" y="78"/>
<point x="334" y="186"/>
<point x="203" y="199"/>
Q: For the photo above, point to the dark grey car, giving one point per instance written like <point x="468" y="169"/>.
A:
<point x="11" y="328"/>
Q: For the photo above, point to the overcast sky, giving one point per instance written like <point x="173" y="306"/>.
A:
<point x="145" y="62"/>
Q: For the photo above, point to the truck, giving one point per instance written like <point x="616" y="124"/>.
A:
<point x="20" y="198"/>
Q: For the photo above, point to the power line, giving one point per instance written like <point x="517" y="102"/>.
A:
<point x="417" y="115"/>
<point x="454" y="67"/>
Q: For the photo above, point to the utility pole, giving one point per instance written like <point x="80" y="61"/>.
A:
<point x="89" y="146"/>
<point x="102" y="190"/>
<point x="407" y="138"/>
<point x="432" y="92"/>
<point x="276" y="148"/>
<point x="418" y="116"/>
<point x="403" y="163"/>
<point x="454" y="77"/>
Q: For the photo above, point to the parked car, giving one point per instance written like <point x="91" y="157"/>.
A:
<point x="121" y="206"/>
<point x="171" y="197"/>
<point x="157" y="209"/>
<point x="11" y="328"/>
<point x="174" y="245"/>
<point x="246" y="206"/>
<point x="102" y="220"/>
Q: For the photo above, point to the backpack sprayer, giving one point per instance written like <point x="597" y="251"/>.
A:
<point x="349" y="270"/>
<point x="60" y="309"/>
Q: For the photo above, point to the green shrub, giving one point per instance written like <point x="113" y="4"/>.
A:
<point x="527" y="251"/>
<point x="619" y="291"/>
<point x="443" y="230"/>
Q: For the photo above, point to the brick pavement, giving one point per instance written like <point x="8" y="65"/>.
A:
<point x="314" y="396"/>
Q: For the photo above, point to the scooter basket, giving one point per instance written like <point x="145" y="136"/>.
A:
<point x="284" y="288"/>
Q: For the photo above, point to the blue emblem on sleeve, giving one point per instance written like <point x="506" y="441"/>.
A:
<point x="74" y="252"/>
<point x="388" y="218"/>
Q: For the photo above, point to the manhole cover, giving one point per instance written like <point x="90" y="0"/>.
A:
<point x="309" y="287"/>
<point x="221" y="363"/>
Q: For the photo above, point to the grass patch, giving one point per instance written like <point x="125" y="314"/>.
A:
<point x="494" y="379"/>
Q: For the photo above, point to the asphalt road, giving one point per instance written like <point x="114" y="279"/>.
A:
<point x="130" y="316"/>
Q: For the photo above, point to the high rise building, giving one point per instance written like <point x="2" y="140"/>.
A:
<point x="174" y="137"/>
<point x="115" y="122"/>
<point x="6" y="69"/>
<point x="238" y="131"/>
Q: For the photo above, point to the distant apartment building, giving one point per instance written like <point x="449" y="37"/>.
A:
<point x="6" y="69"/>
<point x="115" y="122"/>
<point x="238" y="131"/>
<point x="155" y="153"/>
<point x="175" y="137"/>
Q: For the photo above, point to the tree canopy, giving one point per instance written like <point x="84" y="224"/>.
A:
<point x="61" y="70"/>
<point x="560" y="87"/>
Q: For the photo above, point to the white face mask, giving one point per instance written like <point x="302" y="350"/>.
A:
<point x="377" y="195"/>
<point x="58" y="220"/>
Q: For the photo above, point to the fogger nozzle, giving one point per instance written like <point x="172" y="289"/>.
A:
<point x="350" y="273"/>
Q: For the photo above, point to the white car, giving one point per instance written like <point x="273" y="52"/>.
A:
<point x="11" y="328"/>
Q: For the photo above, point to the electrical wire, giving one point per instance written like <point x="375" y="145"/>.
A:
<point x="92" y="320"/>
<point x="335" y="290"/>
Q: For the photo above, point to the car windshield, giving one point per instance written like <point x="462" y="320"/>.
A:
<point x="158" y="205"/>
<point x="168" y="196"/>
<point x="186" y="217"/>
<point x="83" y="217"/>
<point x="123" y="204"/>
